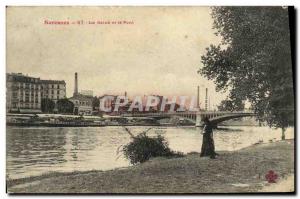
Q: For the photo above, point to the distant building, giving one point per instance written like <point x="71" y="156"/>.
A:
<point x="159" y="107"/>
<point x="86" y="92"/>
<point x="82" y="103"/>
<point x="153" y="108"/>
<point x="108" y="104"/>
<point x="53" y="89"/>
<point x="24" y="93"/>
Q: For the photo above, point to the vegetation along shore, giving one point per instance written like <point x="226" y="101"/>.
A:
<point x="238" y="171"/>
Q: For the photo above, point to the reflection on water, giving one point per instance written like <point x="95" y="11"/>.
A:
<point x="37" y="150"/>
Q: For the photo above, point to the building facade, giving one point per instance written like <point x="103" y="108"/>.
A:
<point x="53" y="89"/>
<point x="24" y="93"/>
<point x="107" y="103"/>
<point x="86" y="92"/>
<point x="82" y="103"/>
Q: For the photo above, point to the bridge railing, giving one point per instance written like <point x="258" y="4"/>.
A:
<point x="187" y="113"/>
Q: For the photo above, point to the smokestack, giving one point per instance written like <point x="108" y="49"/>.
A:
<point x="206" y="98"/>
<point x="198" y="96"/>
<point x="76" y="85"/>
<point x="209" y="108"/>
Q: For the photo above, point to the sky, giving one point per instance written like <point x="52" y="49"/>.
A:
<point x="155" y="50"/>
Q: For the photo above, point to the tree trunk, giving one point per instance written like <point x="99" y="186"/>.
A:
<point x="282" y="133"/>
<point x="208" y="148"/>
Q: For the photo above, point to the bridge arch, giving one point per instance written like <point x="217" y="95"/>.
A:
<point x="195" y="117"/>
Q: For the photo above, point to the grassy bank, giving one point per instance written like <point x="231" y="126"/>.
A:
<point x="239" y="171"/>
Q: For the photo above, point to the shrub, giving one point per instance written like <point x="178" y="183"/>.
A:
<point x="142" y="148"/>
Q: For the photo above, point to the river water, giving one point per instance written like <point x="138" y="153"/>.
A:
<point x="33" y="151"/>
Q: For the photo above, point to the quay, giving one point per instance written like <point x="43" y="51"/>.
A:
<point x="135" y="119"/>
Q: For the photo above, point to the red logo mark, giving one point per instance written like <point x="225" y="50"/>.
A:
<point x="271" y="176"/>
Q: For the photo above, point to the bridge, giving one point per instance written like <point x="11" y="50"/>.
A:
<point x="195" y="116"/>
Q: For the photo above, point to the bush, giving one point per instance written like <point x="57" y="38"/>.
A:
<point x="142" y="148"/>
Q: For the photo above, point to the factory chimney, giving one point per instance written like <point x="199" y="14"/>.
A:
<point x="76" y="85"/>
<point x="198" y="93"/>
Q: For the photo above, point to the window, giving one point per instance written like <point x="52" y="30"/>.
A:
<point x="15" y="94"/>
<point x="58" y="92"/>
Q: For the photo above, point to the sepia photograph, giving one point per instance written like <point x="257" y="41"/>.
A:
<point x="150" y="99"/>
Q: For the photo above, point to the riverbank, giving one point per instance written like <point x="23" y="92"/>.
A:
<point x="238" y="171"/>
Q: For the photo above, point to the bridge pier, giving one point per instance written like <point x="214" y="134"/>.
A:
<point x="199" y="122"/>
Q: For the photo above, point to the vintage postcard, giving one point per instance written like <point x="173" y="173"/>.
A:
<point x="150" y="100"/>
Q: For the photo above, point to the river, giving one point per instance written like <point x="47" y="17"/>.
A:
<point x="34" y="151"/>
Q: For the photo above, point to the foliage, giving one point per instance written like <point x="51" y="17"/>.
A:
<point x="253" y="61"/>
<point x="231" y="105"/>
<point x="65" y="106"/>
<point x="47" y="105"/>
<point x="95" y="103"/>
<point x="142" y="148"/>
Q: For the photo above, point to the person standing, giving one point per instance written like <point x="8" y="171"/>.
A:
<point x="208" y="146"/>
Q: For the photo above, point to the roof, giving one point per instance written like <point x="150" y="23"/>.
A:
<point x="105" y="95"/>
<point x="19" y="77"/>
<point x="81" y="97"/>
<point x="53" y="81"/>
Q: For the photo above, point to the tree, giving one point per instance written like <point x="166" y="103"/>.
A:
<point x="230" y="105"/>
<point x="65" y="106"/>
<point x="253" y="61"/>
<point x="95" y="103"/>
<point x="47" y="105"/>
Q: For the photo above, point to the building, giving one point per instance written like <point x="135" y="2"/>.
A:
<point x="24" y="93"/>
<point x="86" y="92"/>
<point x="82" y="103"/>
<point x="53" y="89"/>
<point x="107" y="102"/>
